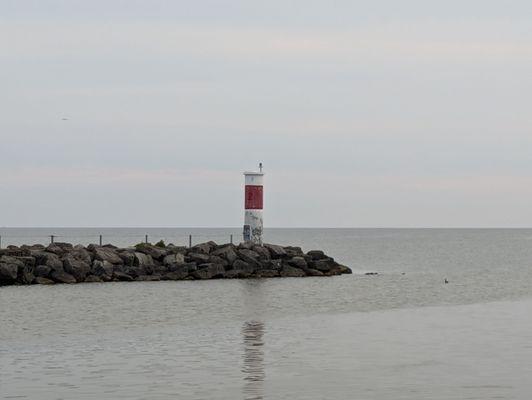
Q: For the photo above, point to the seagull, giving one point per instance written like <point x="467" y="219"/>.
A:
<point x="446" y="281"/>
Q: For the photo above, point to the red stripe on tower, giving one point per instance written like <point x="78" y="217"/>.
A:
<point x="254" y="197"/>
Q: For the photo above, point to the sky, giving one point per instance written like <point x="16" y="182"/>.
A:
<point x="380" y="113"/>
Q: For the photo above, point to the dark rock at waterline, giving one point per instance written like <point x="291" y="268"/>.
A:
<point x="64" y="263"/>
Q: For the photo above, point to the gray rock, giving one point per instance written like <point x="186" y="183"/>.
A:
<point x="218" y="260"/>
<point x="15" y="252"/>
<point x="323" y="265"/>
<point x="174" y="259"/>
<point x="25" y="275"/>
<point x="77" y="268"/>
<point x="27" y="261"/>
<point x="49" y="259"/>
<point x="121" y="276"/>
<point x="268" y="273"/>
<point x="316" y="255"/>
<point x="276" y="251"/>
<point x="203" y="248"/>
<point x="293" y="251"/>
<point x="176" y="275"/>
<point x="62" y="277"/>
<point x="293" y="272"/>
<point x="8" y="273"/>
<point x="243" y="266"/>
<point x="107" y="254"/>
<point x="157" y="253"/>
<point x="198" y="257"/>
<point x="298" y="262"/>
<point x="209" y="271"/>
<point x="57" y="249"/>
<point x="143" y="260"/>
<point x="102" y="268"/>
<point x="274" y="264"/>
<point x="42" y="271"/>
<point x="263" y="252"/>
<point x="227" y="252"/>
<point x="128" y="257"/>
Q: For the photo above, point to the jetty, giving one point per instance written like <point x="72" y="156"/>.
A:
<point x="66" y="263"/>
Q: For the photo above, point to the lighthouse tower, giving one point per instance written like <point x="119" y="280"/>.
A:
<point x="253" y="222"/>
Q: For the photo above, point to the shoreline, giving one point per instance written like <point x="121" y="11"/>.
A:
<point x="66" y="263"/>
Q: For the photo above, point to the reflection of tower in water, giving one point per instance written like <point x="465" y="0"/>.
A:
<point x="253" y="369"/>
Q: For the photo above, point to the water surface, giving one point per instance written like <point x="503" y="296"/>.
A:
<point x="403" y="334"/>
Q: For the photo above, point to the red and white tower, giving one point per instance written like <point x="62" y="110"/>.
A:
<point x="254" y="200"/>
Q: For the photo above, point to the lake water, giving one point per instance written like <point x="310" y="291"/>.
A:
<point x="402" y="334"/>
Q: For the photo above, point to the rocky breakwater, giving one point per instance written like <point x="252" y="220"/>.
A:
<point x="65" y="263"/>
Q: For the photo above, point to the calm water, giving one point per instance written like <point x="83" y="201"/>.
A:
<point x="400" y="335"/>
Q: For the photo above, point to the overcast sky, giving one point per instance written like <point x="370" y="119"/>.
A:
<point x="365" y="113"/>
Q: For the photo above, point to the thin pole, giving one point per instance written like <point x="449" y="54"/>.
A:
<point x="51" y="239"/>
<point x="231" y="238"/>
<point x="189" y="240"/>
<point x="146" y="239"/>
<point x="100" y="240"/>
<point x="0" y="241"/>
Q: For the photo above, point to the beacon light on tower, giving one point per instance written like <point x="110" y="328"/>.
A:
<point x="253" y="222"/>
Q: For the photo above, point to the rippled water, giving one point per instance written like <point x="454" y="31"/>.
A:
<point x="403" y="334"/>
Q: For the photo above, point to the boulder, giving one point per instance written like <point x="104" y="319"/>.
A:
<point x="107" y="254"/>
<point x="62" y="277"/>
<point x="128" y="257"/>
<point x="228" y="253"/>
<point x="25" y="275"/>
<point x="8" y="273"/>
<point x="274" y="264"/>
<point x="157" y="253"/>
<point x="276" y="251"/>
<point x="143" y="260"/>
<point x="174" y="259"/>
<point x="121" y="276"/>
<point x="49" y="259"/>
<point x="293" y="251"/>
<point x="218" y="260"/>
<point x="27" y="261"/>
<point x="316" y="255"/>
<point x="102" y="268"/>
<point x="176" y="275"/>
<point x="15" y="252"/>
<point x="204" y="248"/>
<point x="58" y="248"/>
<point x="79" y="269"/>
<point x="263" y="252"/>
<point x="42" y="271"/>
<point x="298" y="262"/>
<point x="323" y="265"/>
<point x="200" y="258"/>
<point x="243" y="266"/>
<point x="81" y="254"/>
<point x="289" y="271"/>
<point x="268" y="273"/>
<point x="209" y="271"/>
